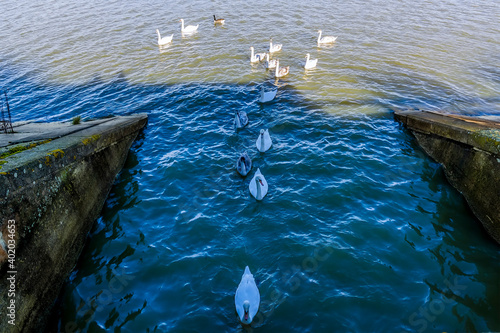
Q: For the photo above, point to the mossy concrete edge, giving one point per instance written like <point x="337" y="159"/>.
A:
<point x="468" y="148"/>
<point x="55" y="192"/>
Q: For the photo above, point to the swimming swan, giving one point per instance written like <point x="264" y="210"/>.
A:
<point x="219" y="20"/>
<point x="267" y="96"/>
<point x="274" y="47"/>
<point x="258" y="186"/>
<point x="189" y="28"/>
<point x="244" y="164"/>
<point x="264" y="141"/>
<point x="270" y="63"/>
<point x="247" y="298"/>
<point x="164" y="40"/>
<point x="257" y="56"/>
<point x="326" y="39"/>
<point x="283" y="71"/>
<point x="310" y="63"/>
<point x="240" y="119"/>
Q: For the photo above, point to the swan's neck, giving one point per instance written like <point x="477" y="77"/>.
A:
<point x="259" y="190"/>
<point x="277" y="67"/>
<point x="307" y="57"/>
<point x="159" y="36"/>
<point x="252" y="51"/>
<point x="319" y="37"/>
<point x="237" y="120"/>
<point x="262" y="146"/>
<point x="243" y="166"/>
<point x="182" y="24"/>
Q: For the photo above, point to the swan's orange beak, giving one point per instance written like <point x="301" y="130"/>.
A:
<point x="261" y="183"/>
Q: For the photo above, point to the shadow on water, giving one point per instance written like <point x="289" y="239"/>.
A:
<point x="173" y="114"/>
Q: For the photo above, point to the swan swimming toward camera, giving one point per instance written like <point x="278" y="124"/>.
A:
<point x="247" y="298"/>
<point x="258" y="186"/>
<point x="264" y="141"/>
<point x="256" y="57"/>
<point x="267" y="96"/>
<point x="310" y="63"/>
<point x="164" y="40"/>
<point x="244" y="164"/>
<point x="188" y="29"/>
<point x="326" y="39"/>
<point x="240" y="119"/>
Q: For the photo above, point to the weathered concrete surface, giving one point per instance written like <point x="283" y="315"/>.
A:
<point x="468" y="148"/>
<point x="54" y="192"/>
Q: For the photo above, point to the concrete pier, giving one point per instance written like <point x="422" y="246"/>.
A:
<point x="468" y="148"/>
<point x="54" y="180"/>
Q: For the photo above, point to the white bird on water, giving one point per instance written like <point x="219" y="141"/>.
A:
<point x="267" y="96"/>
<point x="326" y="39"/>
<point x="264" y="141"/>
<point x="188" y="29"/>
<point x="244" y="164"/>
<point x="164" y="40"/>
<point x="274" y="47"/>
<point x="258" y="186"/>
<point x="310" y="63"/>
<point x="256" y="57"/>
<point x="247" y="298"/>
<point x="281" y="71"/>
<point x="240" y="119"/>
<point x="270" y="63"/>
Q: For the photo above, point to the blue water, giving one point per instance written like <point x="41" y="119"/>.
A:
<point x="360" y="230"/>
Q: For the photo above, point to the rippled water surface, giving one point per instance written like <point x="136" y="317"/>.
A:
<point x="360" y="231"/>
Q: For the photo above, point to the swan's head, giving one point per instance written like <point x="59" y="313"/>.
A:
<point x="308" y="55"/>
<point x="258" y="180"/>
<point x="319" y="31"/>
<point x="181" y="20"/>
<point x="262" y="131"/>
<point x="157" y="31"/>
<point x="246" y="310"/>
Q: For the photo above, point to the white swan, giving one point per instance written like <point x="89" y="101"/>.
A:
<point x="274" y="47"/>
<point x="280" y="72"/>
<point x="257" y="56"/>
<point x="267" y="96"/>
<point x="219" y="20"/>
<point x="258" y="186"/>
<point x="247" y="298"/>
<point x="164" y="40"/>
<point x="240" y="119"/>
<point x="188" y="29"/>
<point x="264" y="141"/>
<point x="270" y="63"/>
<point x="244" y="164"/>
<point x="310" y="63"/>
<point x="326" y="39"/>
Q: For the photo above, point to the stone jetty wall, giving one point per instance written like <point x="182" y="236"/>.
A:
<point x="54" y="179"/>
<point x="468" y="148"/>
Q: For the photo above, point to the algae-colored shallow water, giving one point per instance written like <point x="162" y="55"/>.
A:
<point x="360" y="231"/>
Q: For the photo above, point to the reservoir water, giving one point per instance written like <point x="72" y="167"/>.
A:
<point x="360" y="231"/>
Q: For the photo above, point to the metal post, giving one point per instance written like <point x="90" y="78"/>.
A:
<point x="9" y="122"/>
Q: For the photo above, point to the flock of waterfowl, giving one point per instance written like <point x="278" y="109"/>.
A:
<point x="247" y="297"/>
